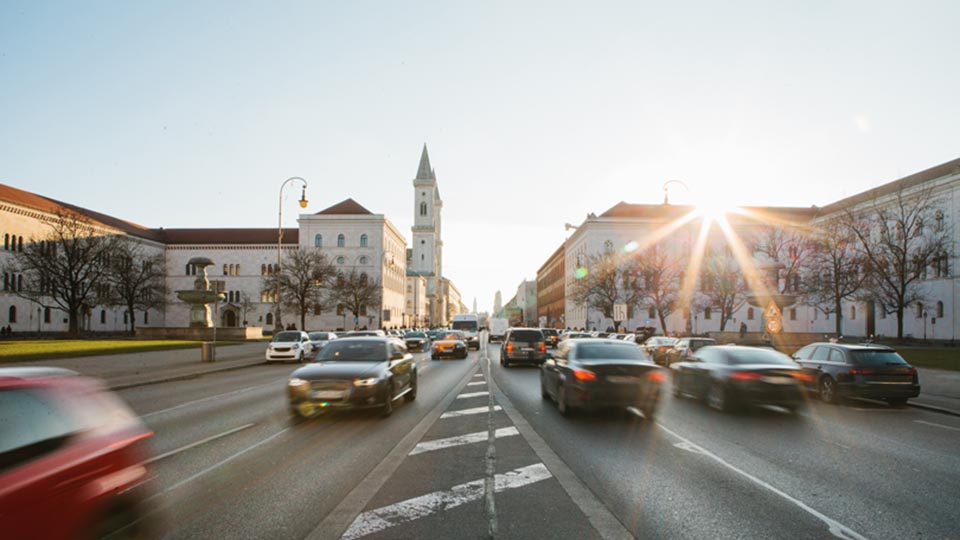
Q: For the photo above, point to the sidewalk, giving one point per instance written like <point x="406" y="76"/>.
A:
<point x="939" y="390"/>
<point x="136" y="369"/>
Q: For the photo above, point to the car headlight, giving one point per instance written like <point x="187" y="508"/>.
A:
<point x="298" y="383"/>
<point x="372" y="381"/>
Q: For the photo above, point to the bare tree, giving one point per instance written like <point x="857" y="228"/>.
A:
<point x="356" y="292"/>
<point x="305" y="276"/>
<point x="136" y="279"/>
<point x="660" y="284"/>
<point x="787" y="248"/>
<point x="608" y="281"/>
<point x="722" y="285"/>
<point x="898" y="239"/>
<point x="246" y="305"/>
<point x="833" y="270"/>
<point x="66" y="266"/>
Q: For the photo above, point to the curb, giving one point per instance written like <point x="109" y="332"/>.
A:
<point x="181" y="376"/>
<point x="933" y="408"/>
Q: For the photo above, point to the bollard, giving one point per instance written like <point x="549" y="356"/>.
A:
<point x="208" y="353"/>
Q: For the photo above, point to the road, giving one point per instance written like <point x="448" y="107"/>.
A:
<point x="228" y="464"/>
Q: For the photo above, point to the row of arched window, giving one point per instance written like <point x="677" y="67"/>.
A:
<point x="231" y="269"/>
<point x="341" y="240"/>
<point x="268" y="269"/>
<point x="12" y="242"/>
<point x="12" y="282"/>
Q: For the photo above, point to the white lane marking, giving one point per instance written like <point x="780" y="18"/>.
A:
<point x="863" y="409"/>
<point x="225" y="461"/>
<point x="198" y="443"/>
<point x="836" y="528"/>
<point x="478" y="383"/>
<point x="937" y="425"/>
<point x="478" y="375"/>
<point x="460" y="440"/>
<point x="466" y="412"/>
<point x="472" y="394"/>
<point x="380" y="519"/>
<point x="208" y="398"/>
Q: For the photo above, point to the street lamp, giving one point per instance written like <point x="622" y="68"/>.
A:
<point x="666" y="198"/>
<point x="303" y="204"/>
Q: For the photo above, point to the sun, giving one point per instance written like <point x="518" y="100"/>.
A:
<point x="714" y="210"/>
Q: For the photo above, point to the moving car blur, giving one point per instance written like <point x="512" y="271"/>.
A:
<point x="319" y="340"/>
<point x="685" y="348"/>
<point x="72" y="458"/>
<point x="657" y="347"/>
<point x="551" y="336"/>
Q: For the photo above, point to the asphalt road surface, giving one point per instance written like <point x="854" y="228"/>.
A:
<point x="480" y="454"/>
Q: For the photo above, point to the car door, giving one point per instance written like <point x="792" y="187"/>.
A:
<point x="804" y="358"/>
<point x="398" y="367"/>
<point x="699" y="370"/>
<point x="552" y="368"/>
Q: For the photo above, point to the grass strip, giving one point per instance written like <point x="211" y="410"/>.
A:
<point x="28" y="351"/>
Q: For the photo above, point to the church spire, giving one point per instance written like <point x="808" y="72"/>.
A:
<point x="425" y="171"/>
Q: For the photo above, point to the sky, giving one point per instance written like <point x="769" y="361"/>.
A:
<point x="192" y="114"/>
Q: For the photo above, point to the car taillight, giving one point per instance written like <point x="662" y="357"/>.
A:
<point x="509" y="347"/>
<point x="861" y="371"/>
<point x="912" y="372"/>
<point x="543" y="347"/>
<point x="584" y="375"/>
<point x="745" y="375"/>
<point x="802" y="376"/>
<point x="657" y="376"/>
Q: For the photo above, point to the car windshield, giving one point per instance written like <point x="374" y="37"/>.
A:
<point x="415" y="335"/>
<point x="319" y="336"/>
<point x="286" y="337"/>
<point x="600" y="350"/>
<point x="550" y="332"/>
<point x="746" y="356"/>
<point x="526" y="335"/>
<point x="450" y="336"/>
<point x="350" y="350"/>
<point x="695" y="344"/>
<point x="878" y="358"/>
<point x="470" y="326"/>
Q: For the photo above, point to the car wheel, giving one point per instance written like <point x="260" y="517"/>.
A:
<point x="388" y="401"/>
<point x="562" y="407"/>
<point x="412" y="394"/>
<point x="718" y="398"/>
<point x="897" y="402"/>
<point x="828" y="390"/>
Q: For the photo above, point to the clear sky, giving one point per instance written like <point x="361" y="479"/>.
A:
<point x="191" y="114"/>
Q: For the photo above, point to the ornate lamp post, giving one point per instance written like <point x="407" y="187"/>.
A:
<point x="278" y="326"/>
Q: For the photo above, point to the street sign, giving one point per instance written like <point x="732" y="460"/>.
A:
<point x="356" y="319"/>
<point x="774" y="326"/>
<point x="772" y="311"/>
<point x="619" y="312"/>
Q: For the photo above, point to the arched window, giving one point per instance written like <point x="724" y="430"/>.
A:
<point x="237" y="270"/>
<point x="341" y="240"/>
<point x="269" y="319"/>
<point x="318" y="241"/>
<point x="363" y="260"/>
<point x="263" y="269"/>
<point x="187" y="270"/>
<point x="919" y="310"/>
<point x="363" y="278"/>
<point x="20" y="244"/>
<point x="46" y="315"/>
<point x="423" y="209"/>
<point x="6" y="241"/>
<point x="339" y="260"/>
<point x="652" y="312"/>
<point x="225" y="270"/>
<point x="939" y="309"/>
<point x="103" y="316"/>
<point x="853" y="313"/>
<point x="146" y="317"/>
<point x="749" y="314"/>
<point x="12" y="314"/>
<point x="363" y="240"/>
<point x="707" y="313"/>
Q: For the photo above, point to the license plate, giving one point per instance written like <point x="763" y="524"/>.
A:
<point x="622" y="379"/>
<point x="527" y="349"/>
<point x="778" y="380"/>
<point x="327" y="394"/>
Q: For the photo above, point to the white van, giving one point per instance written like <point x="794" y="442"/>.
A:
<point x="470" y="326"/>
<point x="498" y="329"/>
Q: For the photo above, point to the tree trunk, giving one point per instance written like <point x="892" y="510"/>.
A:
<point x="133" y="320"/>
<point x="900" y="321"/>
<point x="303" y="320"/>
<point x="74" y="315"/>
<point x="838" y="323"/>
<point x="663" y="322"/>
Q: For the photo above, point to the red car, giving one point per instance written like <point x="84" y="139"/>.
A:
<point x="72" y="458"/>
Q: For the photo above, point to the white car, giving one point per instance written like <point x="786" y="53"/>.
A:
<point x="289" y="345"/>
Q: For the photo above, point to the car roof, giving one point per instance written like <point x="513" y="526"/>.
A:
<point x="24" y="373"/>
<point x="856" y="346"/>
<point x="383" y="339"/>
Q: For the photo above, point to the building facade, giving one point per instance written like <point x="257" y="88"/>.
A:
<point x="416" y="313"/>
<point x="551" y="290"/>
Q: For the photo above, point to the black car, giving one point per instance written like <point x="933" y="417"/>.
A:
<point x="728" y="376"/>
<point x="364" y="372"/>
<point x="523" y="345"/>
<point x="593" y="374"/>
<point x="417" y="341"/>
<point x="837" y="370"/>
<point x="551" y="336"/>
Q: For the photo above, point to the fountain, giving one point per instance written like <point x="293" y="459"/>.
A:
<point x="200" y="295"/>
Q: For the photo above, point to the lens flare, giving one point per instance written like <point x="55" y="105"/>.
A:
<point x="630" y="247"/>
<point x="580" y="273"/>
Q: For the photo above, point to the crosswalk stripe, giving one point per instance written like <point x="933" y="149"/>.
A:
<point x="466" y="412"/>
<point x="380" y="519"/>
<point x="472" y="394"/>
<point x="460" y="440"/>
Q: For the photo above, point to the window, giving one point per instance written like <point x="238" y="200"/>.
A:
<point x="363" y="240"/>
<point x="750" y="314"/>
<point x="836" y="356"/>
<point x="269" y="319"/>
<point x="853" y="313"/>
<point x="225" y="270"/>
<point x="820" y="354"/>
<point x="707" y="313"/>
<point x="126" y="317"/>
<point x="793" y="314"/>
<point x="919" y="310"/>
<point x="187" y="271"/>
<point x="409" y="304"/>
<point x="6" y="241"/>
<point x="652" y="312"/>
<point x="46" y="315"/>
<point x="236" y="270"/>
<point x="938" y="217"/>
<point x="423" y="209"/>
<point x="318" y="241"/>
<point x="146" y="317"/>
<point x="103" y="316"/>
<point x="341" y="240"/>
<point x="939" y="309"/>
<point x="409" y="288"/>
<point x="12" y="314"/>
<point x="363" y="260"/>
<point x="339" y="260"/>
<point x="317" y="309"/>
<point x="883" y="311"/>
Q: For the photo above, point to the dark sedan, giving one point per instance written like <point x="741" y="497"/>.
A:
<point x="594" y="374"/>
<point x="523" y="345"/>
<point x="837" y="370"/>
<point x="730" y="376"/>
<point x="354" y="373"/>
<point x="551" y="336"/>
<point x="449" y="343"/>
<point x="417" y="341"/>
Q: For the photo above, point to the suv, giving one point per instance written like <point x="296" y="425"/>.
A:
<point x="72" y="458"/>
<point x="551" y="336"/>
<point x="684" y="349"/>
<point x="836" y="370"/>
<point x="523" y="345"/>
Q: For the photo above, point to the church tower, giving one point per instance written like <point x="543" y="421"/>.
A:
<point x="427" y="257"/>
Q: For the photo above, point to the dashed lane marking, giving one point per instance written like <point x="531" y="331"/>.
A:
<point x="198" y="443"/>
<point x="472" y="394"/>
<point x="209" y="398"/>
<point x="460" y="440"/>
<point x="467" y="412"/>
<point x="380" y="519"/>
<point x="478" y="383"/>
<point x="937" y="425"/>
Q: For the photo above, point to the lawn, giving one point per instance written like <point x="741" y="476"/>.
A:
<point x="22" y="351"/>
<point x="932" y="358"/>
